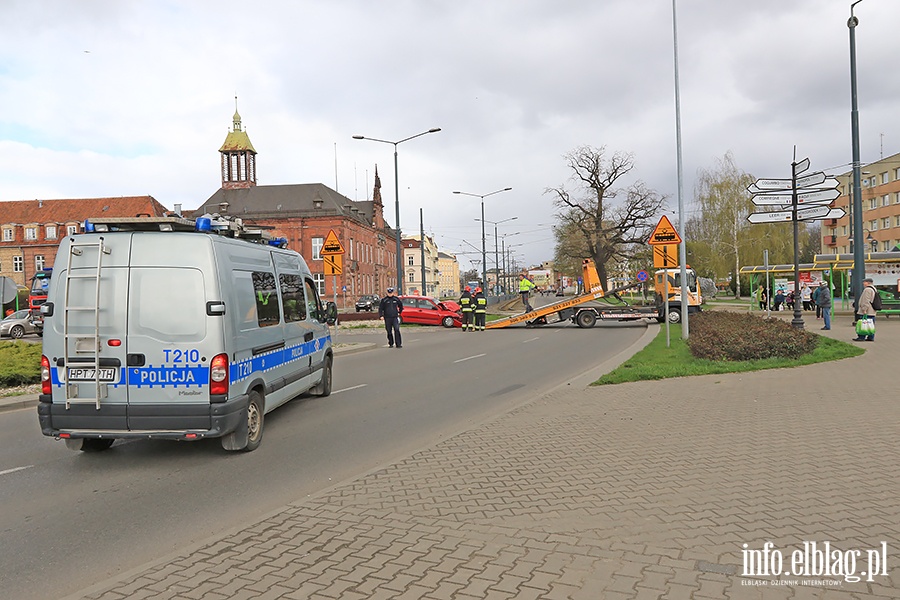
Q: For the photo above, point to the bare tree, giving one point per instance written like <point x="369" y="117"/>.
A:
<point x="608" y="222"/>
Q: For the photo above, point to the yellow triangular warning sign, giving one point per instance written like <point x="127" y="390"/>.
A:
<point x="332" y="244"/>
<point x="664" y="233"/>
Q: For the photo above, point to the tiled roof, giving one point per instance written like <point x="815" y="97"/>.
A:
<point x="22" y="212"/>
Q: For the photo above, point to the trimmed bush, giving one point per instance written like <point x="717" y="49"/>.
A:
<point x="20" y="363"/>
<point x="722" y="335"/>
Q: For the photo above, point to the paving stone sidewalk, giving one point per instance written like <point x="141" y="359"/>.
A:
<point x="637" y="491"/>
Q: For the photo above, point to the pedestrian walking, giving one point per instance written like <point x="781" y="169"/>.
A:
<point x="467" y="306"/>
<point x="865" y="332"/>
<point x="823" y="303"/>
<point x="525" y="286"/>
<point x="480" y="309"/>
<point x="390" y="309"/>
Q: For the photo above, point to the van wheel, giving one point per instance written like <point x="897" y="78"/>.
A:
<point x="323" y="388"/>
<point x="255" y="420"/>
<point x="95" y="444"/>
<point x="447" y="321"/>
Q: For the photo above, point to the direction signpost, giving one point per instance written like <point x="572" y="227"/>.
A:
<point x="804" y="198"/>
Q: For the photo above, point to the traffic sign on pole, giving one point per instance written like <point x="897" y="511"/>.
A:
<point x="801" y="166"/>
<point x="334" y="264"/>
<point x="664" y="233"/>
<point x="665" y="256"/>
<point x="642" y="275"/>
<point x="772" y="199"/>
<point x="332" y="245"/>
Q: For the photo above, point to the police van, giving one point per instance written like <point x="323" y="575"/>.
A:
<point x="170" y="328"/>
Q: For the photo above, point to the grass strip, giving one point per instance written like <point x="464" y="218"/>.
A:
<point x="656" y="361"/>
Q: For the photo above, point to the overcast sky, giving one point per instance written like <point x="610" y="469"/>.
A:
<point x="128" y="97"/>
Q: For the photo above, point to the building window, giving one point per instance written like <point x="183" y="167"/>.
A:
<point x="51" y="232"/>
<point x="317" y="251"/>
<point x="409" y="260"/>
<point x="873" y="225"/>
<point x="320" y="283"/>
<point x="897" y="221"/>
<point x="351" y="249"/>
<point x="897" y="173"/>
<point x="873" y="203"/>
<point x="886" y="200"/>
<point x="897" y="198"/>
<point x="7" y="234"/>
<point x="71" y="229"/>
<point x="31" y="233"/>
<point x="39" y="262"/>
<point x="884" y="177"/>
<point x="885" y="222"/>
<point x="18" y="264"/>
<point x="412" y="277"/>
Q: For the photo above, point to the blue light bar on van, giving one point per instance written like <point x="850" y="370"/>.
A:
<point x="88" y="226"/>
<point x="279" y="242"/>
<point x="203" y="224"/>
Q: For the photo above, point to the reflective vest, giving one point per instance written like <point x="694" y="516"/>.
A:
<point x="525" y="285"/>
<point x="465" y="301"/>
<point x="480" y="303"/>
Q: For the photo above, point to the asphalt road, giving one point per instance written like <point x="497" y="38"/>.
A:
<point x="72" y="519"/>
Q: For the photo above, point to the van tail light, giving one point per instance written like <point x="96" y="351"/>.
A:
<point x="218" y="375"/>
<point x="45" y="376"/>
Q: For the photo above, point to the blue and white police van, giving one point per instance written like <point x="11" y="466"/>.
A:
<point x="170" y="328"/>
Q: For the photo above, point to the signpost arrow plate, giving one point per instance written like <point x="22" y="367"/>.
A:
<point x="817" y="196"/>
<point x="773" y="185"/>
<point x="813" y="179"/>
<point x="813" y="212"/>
<point x="770" y="217"/>
<point x="801" y="166"/>
<point x="772" y="199"/>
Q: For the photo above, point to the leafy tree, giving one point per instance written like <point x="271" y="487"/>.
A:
<point x="600" y="220"/>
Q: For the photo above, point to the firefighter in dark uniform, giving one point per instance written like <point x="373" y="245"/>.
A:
<point x="480" y="309"/>
<point x="467" y="305"/>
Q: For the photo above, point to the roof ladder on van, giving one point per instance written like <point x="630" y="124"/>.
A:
<point x="80" y="341"/>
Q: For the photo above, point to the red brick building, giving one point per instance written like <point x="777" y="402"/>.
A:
<point x="30" y="230"/>
<point x="304" y="213"/>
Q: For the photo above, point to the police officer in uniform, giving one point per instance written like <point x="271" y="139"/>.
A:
<point x="389" y="309"/>
<point x="466" y="304"/>
<point x="480" y="309"/>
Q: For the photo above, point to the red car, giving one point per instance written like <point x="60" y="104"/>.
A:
<point x="428" y="311"/>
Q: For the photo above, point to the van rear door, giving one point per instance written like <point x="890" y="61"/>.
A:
<point x="171" y="340"/>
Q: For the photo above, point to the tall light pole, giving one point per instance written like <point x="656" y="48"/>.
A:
<point x="397" y="197"/>
<point x="859" y="258"/>
<point x="483" y="247"/>
<point x="682" y="247"/>
<point x="496" y="244"/>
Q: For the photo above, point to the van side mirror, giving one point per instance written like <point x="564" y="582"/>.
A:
<point x="331" y="313"/>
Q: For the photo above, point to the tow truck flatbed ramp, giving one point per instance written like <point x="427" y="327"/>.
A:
<point x="618" y="311"/>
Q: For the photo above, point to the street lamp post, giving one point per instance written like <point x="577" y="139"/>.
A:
<point x="397" y="197"/>
<point x="496" y="245"/>
<point x="859" y="259"/>
<point x="483" y="247"/>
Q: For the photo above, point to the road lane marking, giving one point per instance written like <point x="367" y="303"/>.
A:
<point x="355" y="387"/>
<point x="469" y="358"/>
<point x="8" y="471"/>
<point x="531" y="340"/>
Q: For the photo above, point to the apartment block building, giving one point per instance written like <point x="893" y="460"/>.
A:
<point x="880" y="210"/>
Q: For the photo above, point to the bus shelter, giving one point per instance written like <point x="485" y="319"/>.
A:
<point x="836" y="269"/>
